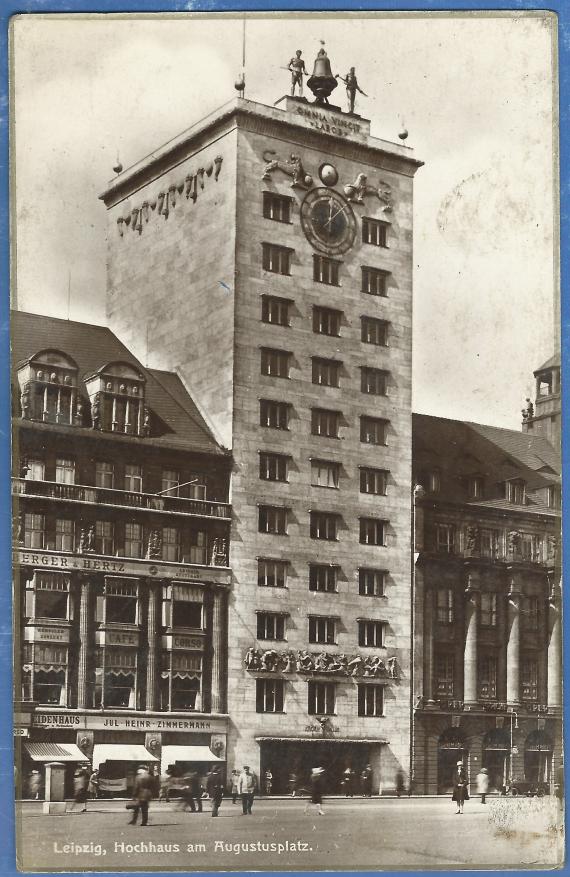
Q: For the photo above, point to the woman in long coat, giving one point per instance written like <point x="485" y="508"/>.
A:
<point x="460" y="787"/>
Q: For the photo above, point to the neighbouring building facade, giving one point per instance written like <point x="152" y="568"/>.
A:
<point x="122" y="572"/>
<point x="487" y="595"/>
<point x="267" y="255"/>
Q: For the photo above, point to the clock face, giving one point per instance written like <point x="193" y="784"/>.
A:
<point x="328" y="222"/>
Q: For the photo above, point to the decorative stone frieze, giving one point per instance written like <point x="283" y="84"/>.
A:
<point x="303" y="662"/>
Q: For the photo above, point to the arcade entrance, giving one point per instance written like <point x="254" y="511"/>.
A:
<point x="496" y="748"/>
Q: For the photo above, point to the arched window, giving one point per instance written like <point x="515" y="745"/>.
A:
<point x="116" y="392"/>
<point x="48" y="388"/>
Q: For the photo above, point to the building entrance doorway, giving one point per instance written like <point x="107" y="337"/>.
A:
<point x="538" y="758"/>
<point x="284" y="758"/>
<point x="496" y="748"/>
<point x="451" y="749"/>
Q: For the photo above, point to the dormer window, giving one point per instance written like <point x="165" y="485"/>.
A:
<point x="515" y="492"/>
<point x="475" y="487"/>
<point x="48" y="388"/>
<point x="553" y="497"/>
<point x="116" y="392"/>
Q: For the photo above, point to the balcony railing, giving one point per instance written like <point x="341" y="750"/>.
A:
<point x="130" y="499"/>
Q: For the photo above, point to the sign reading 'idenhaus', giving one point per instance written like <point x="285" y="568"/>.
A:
<point x="127" y="723"/>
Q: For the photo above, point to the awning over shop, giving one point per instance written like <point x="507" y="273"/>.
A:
<point x="121" y="752"/>
<point x="172" y="754"/>
<point x="380" y="741"/>
<point x="55" y="752"/>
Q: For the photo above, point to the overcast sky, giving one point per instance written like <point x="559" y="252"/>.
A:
<point x="475" y="93"/>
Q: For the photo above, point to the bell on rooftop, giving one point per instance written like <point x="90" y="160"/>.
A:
<point x="322" y="82"/>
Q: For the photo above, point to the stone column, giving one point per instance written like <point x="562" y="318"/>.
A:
<point x="470" y="651"/>
<point x="513" y="643"/>
<point x="554" y="691"/>
<point x="218" y="652"/>
<point x="428" y="645"/>
<point x="84" y="644"/>
<point x="152" y="650"/>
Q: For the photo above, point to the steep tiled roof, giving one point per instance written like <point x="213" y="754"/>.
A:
<point x="553" y="362"/>
<point x="94" y="346"/>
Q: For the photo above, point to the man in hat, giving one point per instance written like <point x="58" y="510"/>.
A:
<point x="316" y="790"/>
<point x="247" y="786"/>
<point x="215" y="789"/>
<point x="142" y="795"/>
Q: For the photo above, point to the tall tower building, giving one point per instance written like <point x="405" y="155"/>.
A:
<point x="265" y="254"/>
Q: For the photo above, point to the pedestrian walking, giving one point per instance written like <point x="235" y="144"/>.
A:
<point x="247" y="786"/>
<point x="348" y="782"/>
<point x="293" y="783"/>
<point x="267" y="782"/>
<point x="234" y="790"/>
<point x="142" y="796"/>
<point x="366" y="782"/>
<point x="460" y="787"/>
<point x="164" y="785"/>
<point x="215" y="789"/>
<point x="316" y="781"/>
<point x="400" y="786"/>
<point x="93" y="788"/>
<point x="80" y="790"/>
<point x="34" y="784"/>
<point x="482" y="781"/>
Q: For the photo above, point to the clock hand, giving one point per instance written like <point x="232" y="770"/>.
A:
<point x="340" y="210"/>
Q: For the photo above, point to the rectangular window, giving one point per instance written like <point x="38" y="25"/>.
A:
<point x="445" y="606"/>
<point x="321" y="698"/>
<point x="187" y="612"/>
<point x="171" y="544"/>
<point x="35" y="470"/>
<point x="322" y="630"/>
<point x="529" y="679"/>
<point x="276" y="207"/>
<point x="515" y="492"/>
<point x="554" y="497"/>
<point x="326" y="372"/>
<point x="445" y="538"/>
<point x="372" y="531"/>
<point x="374" y="232"/>
<point x="272" y="573"/>
<point x="273" y="519"/>
<point x="324" y="473"/>
<point x="133" y="540"/>
<point x="273" y="467"/>
<point x="370" y="700"/>
<point x="373" y="430"/>
<point x="475" y="487"/>
<point x="444" y="673"/>
<point x="133" y="478"/>
<point x="198" y="546"/>
<point x="197" y="487"/>
<point x="276" y="259"/>
<point x="373" y="381"/>
<point x="373" y="331"/>
<point x="488" y="610"/>
<point x="104" y="474"/>
<point x="371" y="582"/>
<point x="324" y="526"/>
<point x="270" y="625"/>
<point x="373" y="481"/>
<point x="65" y="471"/>
<point x="52" y="593"/>
<point x="170" y="482"/>
<point x="374" y="281"/>
<point x="325" y="270"/>
<point x="64" y="532"/>
<point x="371" y="633"/>
<point x="326" y="321"/>
<point x="269" y="695"/>
<point x="104" y="537"/>
<point x="531" y="613"/>
<point x="488" y="677"/>
<point x="275" y="362"/>
<point x="121" y="602"/>
<point x="322" y="577"/>
<point x="275" y="310"/>
<point x="530" y="547"/>
<point x="489" y="540"/>
<point x="325" y="423"/>
<point x="274" y="414"/>
<point x="433" y="481"/>
<point x="34" y="531"/>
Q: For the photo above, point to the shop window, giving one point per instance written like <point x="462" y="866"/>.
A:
<point x="276" y="207"/>
<point x="324" y="525"/>
<point x="324" y="473"/>
<point x="269" y="695"/>
<point x="488" y="617"/>
<point x="323" y="577"/>
<point x="373" y="430"/>
<point x="181" y="681"/>
<point x="115" y="678"/>
<point x="45" y="674"/>
<point x="133" y="540"/>
<point x="104" y="474"/>
<point x="444" y="675"/>
<point x="272" y="573"/>
<point x="274" y="414"/>
<point x="325" y="423"/>
<point x="64" y="534"/>
<point x="133" y="478"/>
<point x="374" y="331"/>
<point x="34" y="531"/>
<point x="370" y="700"/>
<point x="321" y="698"/>
<point x="121" y="601"/>
<point x="487" y="677"/>
<point x="64" y="471"/>
<point x="275" y="310"/>
<point x="184" y="693"/>
<point x="372" y="531"/>
<point x="171" y="544"/>
<point x="371" y="633"/>
<point x="326" y="321"/>
<point x="271" y="625"/>
<point x="326" y="372"/>
<point x="322" y="629"/>
<point x="445" y="538"/>
<point x="104" y="537"/>
<point x="529" y="679"/>
<point x="445" y="606"/>
<point x="273" y="467"/>
<point x="371" y="582"/>
<point x="49" y="687"/>
<point x="272" y="519"/>
<point x="373" y="481"/>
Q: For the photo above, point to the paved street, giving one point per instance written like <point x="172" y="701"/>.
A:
<point x="357" y="834"/>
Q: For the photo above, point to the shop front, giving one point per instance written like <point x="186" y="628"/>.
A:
<point x="34" y="758"/>
<point x="538" y="751"/>
<point x="496" y="758"/>
<point x="118" y="763"/>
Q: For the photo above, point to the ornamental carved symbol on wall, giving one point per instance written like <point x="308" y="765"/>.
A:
<point x="293" y="168"/>
<point x="303" y="662"/>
